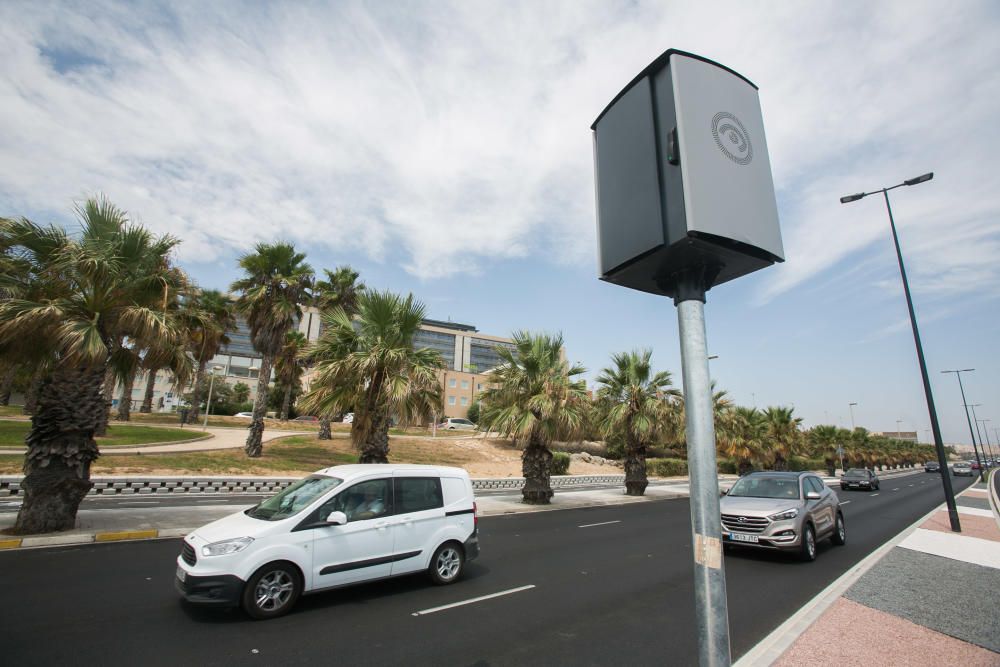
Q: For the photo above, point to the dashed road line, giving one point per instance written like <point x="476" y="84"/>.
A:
<point x="603" y="523"/>
<point x="844" y="502"/>
<point x="873" y="495"/>
<point x="434" y="610"/>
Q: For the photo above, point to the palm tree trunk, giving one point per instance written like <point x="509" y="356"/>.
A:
<point x="635" y="470"/>
<point x="324" y="429"/>
<point x="375" y="448"/>
<point x="196" y="394"/>
<point x="745" y="466"/>
<point x="147" y="399"/>
<point x="536" y="466"/>
<point x="254" y="447"/>
<point x="125" y="401"/>
<point x="7" y="384"/>
<point x="31" y="396"/>
<point x="286" y="403"/>
<point x="61" y="448"/>
<point x="105" y="413"/>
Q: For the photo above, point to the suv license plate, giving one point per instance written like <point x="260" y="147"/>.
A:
<point x="181" y="574"/>
<point x="738" y="537"/>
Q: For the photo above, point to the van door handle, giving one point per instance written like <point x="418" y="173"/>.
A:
<point x="381" y="524"/>
<point x="406" y="519"/>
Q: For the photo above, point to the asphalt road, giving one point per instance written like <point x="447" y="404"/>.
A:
<point x="611" y="585"/>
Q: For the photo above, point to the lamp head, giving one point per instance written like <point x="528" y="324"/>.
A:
<point x="849" y="198"/>
<point x="919" y="179"/>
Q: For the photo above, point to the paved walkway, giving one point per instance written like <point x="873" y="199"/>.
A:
<point x="222" y="438"/>
<point x="929" y="598"/>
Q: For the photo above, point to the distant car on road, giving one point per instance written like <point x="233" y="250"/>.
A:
<point x="961" y="469"/>
<point x="453" y="423"/>
<point x="784" y="511"/>
<point x="306" y="418"/>
<point x="859" y="478"/>
<point x="244" y="415"/>
<point x="932" y="466"/>
<point x="348" y="418"/>
<point x="974" y="465"/>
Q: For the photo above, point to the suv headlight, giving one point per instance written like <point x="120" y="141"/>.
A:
<point x="787" y="514"/>
<point x="227" y="547"/>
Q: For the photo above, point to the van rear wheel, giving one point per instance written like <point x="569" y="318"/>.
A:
<point x="447" y="564"/>
<point x="271" y="591"/>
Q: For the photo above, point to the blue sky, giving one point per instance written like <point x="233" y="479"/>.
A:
<point x="444" y="149"/>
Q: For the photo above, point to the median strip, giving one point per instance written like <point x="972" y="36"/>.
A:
<point x="118" y="536"/>
<point x="434" y="610"/>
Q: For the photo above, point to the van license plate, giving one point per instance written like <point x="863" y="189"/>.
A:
<point x="181" y="574"/>
<point x="738" y="537"/>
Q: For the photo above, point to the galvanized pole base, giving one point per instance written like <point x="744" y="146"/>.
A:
<point x="711" y="608"/>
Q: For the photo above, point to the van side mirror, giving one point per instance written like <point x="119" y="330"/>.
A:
<point x="336" y="518"/>
<point x="723" y="492"/>
<point x="812" y="495"/>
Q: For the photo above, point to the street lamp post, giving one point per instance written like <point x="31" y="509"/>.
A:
<point x="986" y="430"/>
<point x="850" y="407"/>
<point x="961" y="388"/>
<point x="949" y="494"/>
<point x="979" y="436"/>
<point x="208" y="403"/>
<point x="899" y="433"/>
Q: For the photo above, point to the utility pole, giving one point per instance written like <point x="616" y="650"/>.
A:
<point x="850" y="406"/>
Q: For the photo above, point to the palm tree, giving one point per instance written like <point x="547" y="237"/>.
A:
<point x="742" y="437"/>
<point x="276" y="280"/>
<point x="288" y="368"/>
<point x="639" y="410"/>
<point x="535" y="395"/>
<point x="783" y="435"/>
<point x="211" y="316"/>
<point x="83" y="295"/>
<point x="340" y="290"/>
<point x="370" y="364"/>
<point x="824" y="441"/>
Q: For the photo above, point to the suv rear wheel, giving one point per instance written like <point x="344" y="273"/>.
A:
<point x="808" y="552"/>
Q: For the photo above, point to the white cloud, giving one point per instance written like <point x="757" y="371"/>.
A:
<point x="449" y="136"/>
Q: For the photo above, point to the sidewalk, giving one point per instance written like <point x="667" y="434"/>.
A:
<point x="928" y="597"/>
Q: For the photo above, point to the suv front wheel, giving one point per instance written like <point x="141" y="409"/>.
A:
<point x="808" y="549"/>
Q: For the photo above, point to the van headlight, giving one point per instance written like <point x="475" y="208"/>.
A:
<point x="227" y="547"/>
<point x="787" y="514"/>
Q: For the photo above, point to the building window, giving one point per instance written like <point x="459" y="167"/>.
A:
<point x="479" y="386"/>
<point x="451" y="400"/>
<point x="465" y="401"/>
<point x="451" y="383"/>
<point x="465" y="384"/>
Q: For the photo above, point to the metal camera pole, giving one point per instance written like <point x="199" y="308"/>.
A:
<point x="711" y="607"/>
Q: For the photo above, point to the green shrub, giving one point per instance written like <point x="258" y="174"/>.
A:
<point x="560" y="463"/>
<point x="801" y="463"/>
<point x="615" y="446"/>
<point x="728" y="467"/>
<point x="666" y="467"/>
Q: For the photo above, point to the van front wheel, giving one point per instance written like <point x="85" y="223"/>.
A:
<point x="272" y="591"/>
<point x="447" y="563"/>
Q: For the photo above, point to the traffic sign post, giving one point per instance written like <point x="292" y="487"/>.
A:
<point x="685" y="201"/>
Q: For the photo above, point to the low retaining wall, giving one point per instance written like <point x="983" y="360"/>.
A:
<point x="111" y="486"/>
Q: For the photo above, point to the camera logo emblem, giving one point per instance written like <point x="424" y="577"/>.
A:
<point x="732" y="138"/>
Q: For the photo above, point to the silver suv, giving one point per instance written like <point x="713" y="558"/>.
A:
<point x="786" y="511"/>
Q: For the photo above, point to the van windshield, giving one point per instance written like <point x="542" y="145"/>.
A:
<point x="294" y="498"/>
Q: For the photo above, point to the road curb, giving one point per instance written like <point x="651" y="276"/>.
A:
<point x="774" y="645"/>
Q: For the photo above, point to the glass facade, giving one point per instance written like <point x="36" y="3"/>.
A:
<point x="442" y="343"/>
<point x="239" y="341"/>
<point x="483" y="354"/>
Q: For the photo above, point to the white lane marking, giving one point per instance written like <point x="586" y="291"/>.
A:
<point x="603" y="523"/>
<point x="895" y="489"/>
<point x="140" y="502"/>
<point x="911" y="485"/>
<point x="434" y="610"/>
<point x="844" y="502"/>
<point x="873" y="495"/>
<point x="202" y="502"/>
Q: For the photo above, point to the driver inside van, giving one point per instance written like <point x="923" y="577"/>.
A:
<point x="371" y="505"/>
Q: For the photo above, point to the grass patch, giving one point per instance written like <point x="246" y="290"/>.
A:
<point x="11" y="411"/>
<point x="290" y="456"/>
<point x="12" y="434"/>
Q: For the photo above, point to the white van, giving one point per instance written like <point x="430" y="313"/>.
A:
<point x="339" y="526"/>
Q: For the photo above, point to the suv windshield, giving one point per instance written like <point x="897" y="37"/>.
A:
<point x="765" y="487"/>
<point x="294" y="498"/>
